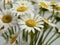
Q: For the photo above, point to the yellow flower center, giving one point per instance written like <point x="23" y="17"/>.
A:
<point x="44" y="5"/>
<point x="58" y="8"/>
<point x="31" y="23"/>
<point x="13" y="39"/>
<point x="7" y="18"/>
<point x="53" y="3"/>
<point x="21" y="8"/>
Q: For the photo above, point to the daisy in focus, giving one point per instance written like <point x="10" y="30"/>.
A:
<point x="7" y="19"/>
<point x="30" y="23"/>
<point x="22" y="7"/>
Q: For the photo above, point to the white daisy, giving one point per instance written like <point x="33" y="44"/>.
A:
<point x="22" y="7"/>
<point x="12" y="40"/>
<point x="30" y="23"/>
<point x="53" y="3"/>
<point x="7" y="19"/>
<point x="45" y="5"/>
<point x="49" y="22"/>
<point x="57" y="8"/>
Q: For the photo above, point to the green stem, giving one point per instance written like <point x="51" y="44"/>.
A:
<point x="52" y="14"/>
<point x="26" y="36"/>
<point x="54" y="40"/>
<point x="4" y="4"/>
<point x="50" y="28"/>
<point x="40" y="41"/>
<point x="23" y="35"/>
<point x="50" y="38"/>
<point x="47" y="34"/>
<point x="31" y="38"/>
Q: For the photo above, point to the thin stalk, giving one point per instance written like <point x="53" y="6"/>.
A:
<point x="19" y="36"/>
<point x="50" y="28"/>
<point x="31" y="38"/>
<point x="50" y="38"/>
<point x="40" y="41"/>
<point x="47" y="34"/>
<point x="54" y="40"/>
<point x="4" y="4"/>
<point x="40" y="38"/>
<point x="52" y="14"/>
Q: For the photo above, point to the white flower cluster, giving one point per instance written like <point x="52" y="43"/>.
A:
<point x="23" y="13"/>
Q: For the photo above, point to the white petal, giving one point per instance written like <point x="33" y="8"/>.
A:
<point x="23" y="27"/>
<point x="40" y="23"/>
<point x="37" y="28"/>
<point x="33" y="30"/>
<point x="21" y="22"/>
<point x="40" y="26"/>
<point x="51" y="24"/>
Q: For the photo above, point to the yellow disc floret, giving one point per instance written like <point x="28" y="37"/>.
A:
<point x="53" y="3"/>
<point x="13" y="39"/>
<point x="6" y="18"/>
<point x="22" y="8"/>
<point x="31" y="23"/>
<point x="44" y="5"/>
<point x="58" y="8"/>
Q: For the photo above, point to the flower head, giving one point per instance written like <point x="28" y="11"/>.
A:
<point x="49" y="22"/>
<point x="30" y="23"/>
<point x="53" y="3"/>
<point x="22" y="7"/>
<point x="7" y="19"/>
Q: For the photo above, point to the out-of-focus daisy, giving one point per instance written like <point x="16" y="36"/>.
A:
<point x="57" y="8"/>
<point x="44" y="5"/>
<point x="12" y="40"/>
<point x="53" y="3"/>
<point x="22" y="7"/>
<point x="49" y="22"/>
<point x="7" y="19"/>
<point x="30" y="23"/>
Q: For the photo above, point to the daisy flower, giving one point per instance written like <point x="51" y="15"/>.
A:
<point x="7" y="19"/>
<point x="30" y="23"/>
<point x="22" y="7"/>
<point x="49" y="22"/>
<point x="57" y="8"/>
<point x="12" y="40"/>
<point x="44" y="5"/>
<point x="53" y="3"/>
